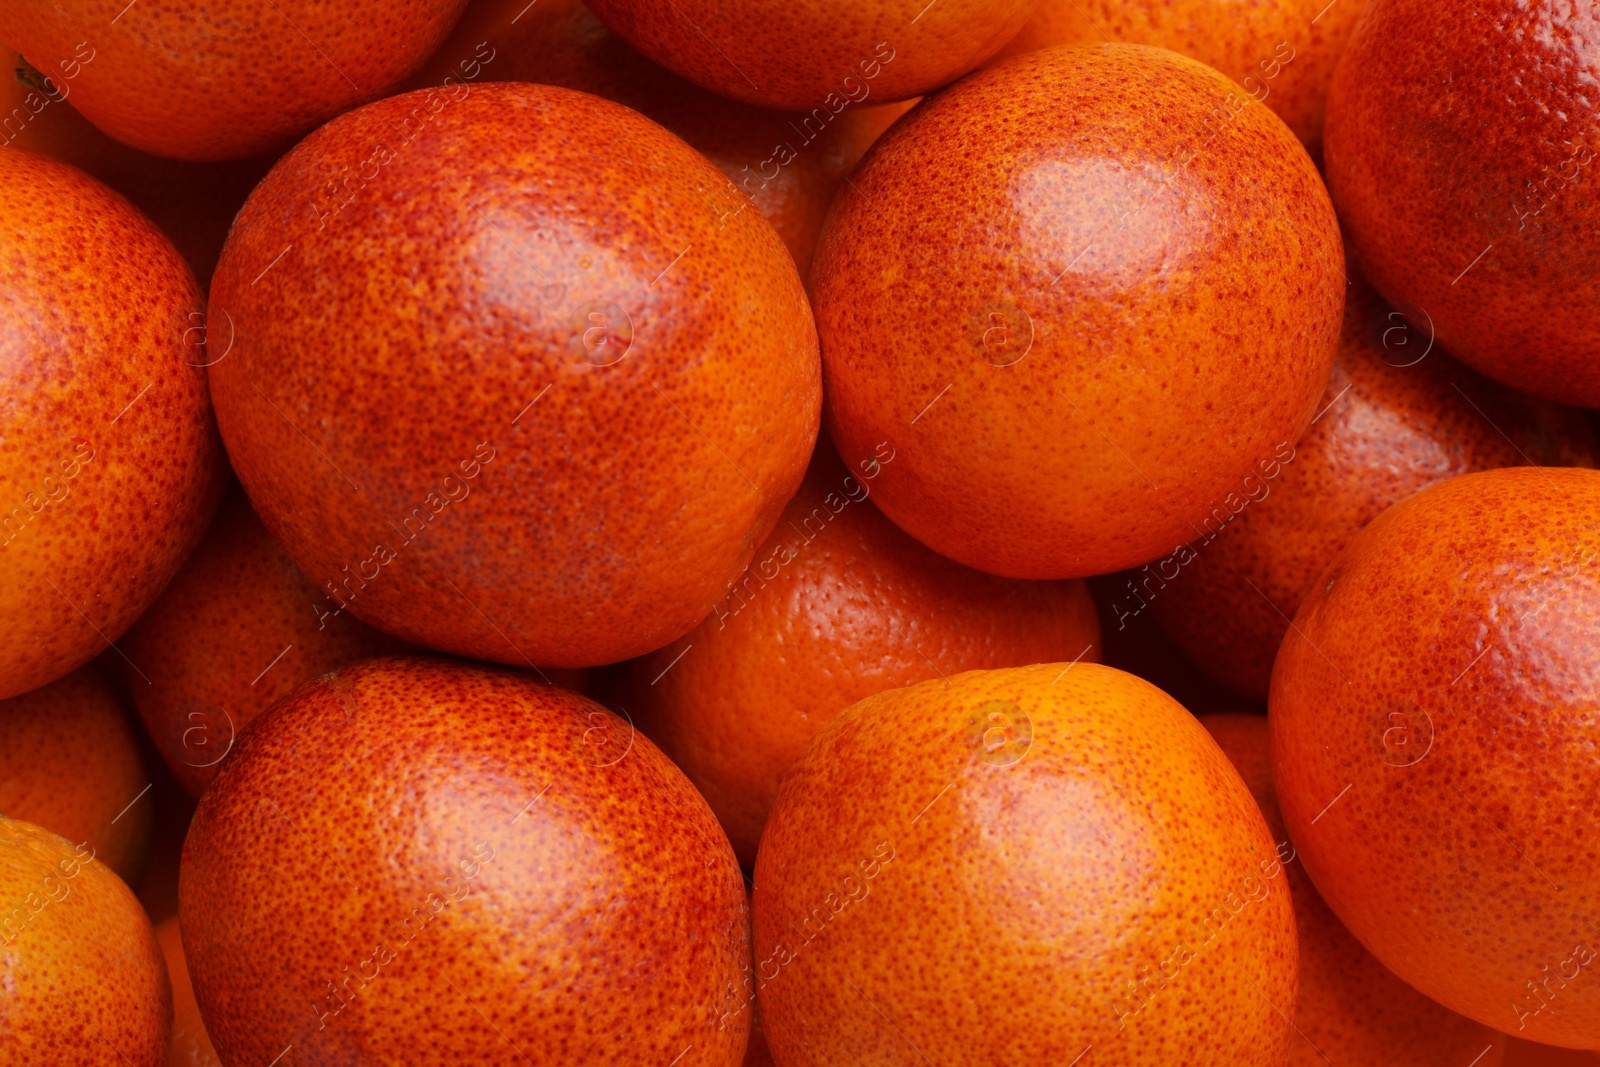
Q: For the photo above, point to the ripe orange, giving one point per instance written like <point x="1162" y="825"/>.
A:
<point x="238" y="628"/>
<point x="111" y="467"/>
<point x="1021" y="866"/>
<point x="211" y="81"/>
<point x="610" y="384"/>
<point x="1124" y="308"/>
<point x="838" y="605"/>
<point x="69" y="762"/>
<point x="416" y="860"/>
<point x="1461" y="152"/>
<point x="1395" y="417"/>
<point x="812" y="55"/>
<point x="1433" y="718"/>
<point x="85" y="985"/>
<point x="1282" y="53"/>
<point x="790" y="164"/>
<point x="1351" y="1009"/>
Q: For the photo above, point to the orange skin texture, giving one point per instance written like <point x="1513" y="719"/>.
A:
<point x="237" y="629"/>
<point x="941" y="851"/>
<point x="227" y="79"/>
<point x="85" y="985"/>
<point x="605" y="519"/>
<point x="190" y="1045"/>
<point x="1442" y="677"/>
<point x="69" y="761"/>
<point x="101" y="498"/>
<point x="855" y="607"/>
<point x="1352" y="1009"/>
<point x="560" y="42"/>
<point x="1448" y="136"/>
<point x="1275" y="51"/>
<point x="575" y="893"/>
<point x="1394" y="421"/>
<point x="192" y="203"/>
<point x="796" y="56"/>
<point x="1184" y="297"/>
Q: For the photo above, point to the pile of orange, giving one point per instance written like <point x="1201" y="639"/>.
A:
<point x="690" y="534"/>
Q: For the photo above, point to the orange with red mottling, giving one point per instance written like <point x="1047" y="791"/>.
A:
<point x="82" y="982"/>
<point x="70" y="762"/>
<point x="1000" y="867"/>
<point x="1352" y="1009"/>
<point x="1434" y="719"/>
<point x="238" y="628"/>
<point x="190" y="1045"/>
<point x="417" y="860"/>
<point x="534" y="393"/>
<point x="109" y="461"/>
<point x="223" y="80"/>
<point x="838" y="605"/>
<point x="790" y="164"/>
<point x="192" y="203"/>
<point x="1392" y="421"/>
<point x="811" y="54"/>
<point x="1282" y="53"/>
<point x="1081" y="321"/>
<point x="1461" y="153"/>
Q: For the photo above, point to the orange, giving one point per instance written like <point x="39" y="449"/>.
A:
<point x="1529" y="1054"/>
<point x="1281" y="53"/>
<point x="1123" y="283"/>
<point x="1352" y="1009"/>
<point x="1396" y="416"/>
<point x="838" y="605"/>
<point x="70" y="762"/>
<point x="213" y="81"/>
<point x="1433" y="718"/>
<point x="1461" y="153"/>
<point x="238" y="628"/>
<point x="190" y="1045"/>
<point x="578" y="375"/>
<point x="812" y="55"/>
<point x="789" y="164"/>
<point x="192" y="203"/>
<point x="1031" y="865"/>
<point x="84" y="985"/>
<point x="110" y="468"/>
<point x="424" y="861"/>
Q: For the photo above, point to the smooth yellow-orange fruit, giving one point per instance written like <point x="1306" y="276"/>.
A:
<point x="70" y="762"/>
<point x="609" y="387"/>
<point x="419" y="860"/>
<point x="1435" y="711"/>
<point x="839" y="604"/>
<point x="110" y="467"/>
<point x="1021" y="866"/>
<point x="1088" y="295"/>
<point x="82" y="981"/>
<point x="1351" y="1009"/>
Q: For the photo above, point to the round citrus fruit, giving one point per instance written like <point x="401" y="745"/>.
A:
<point x="1433" y="718"/>
<point x="1396" y="416"/>
<point x="1124" y="284"/>
<point x="510" y="392"/>
<point x="1027" y="865"/>
<point x="85" y="985"/>
<point x="211" y="81"/>
<point x="190" y="1045"/>
<point x="812" y="56"/>
<point x="838" y="605"/>
<point x="419" y="860"/>
<point x="1461" y="153"/>
<point x="1351" y="1009"/>
<point x="110" y="467"/>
